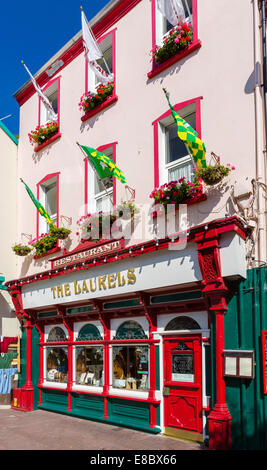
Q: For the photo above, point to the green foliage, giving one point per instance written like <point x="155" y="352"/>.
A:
<point x="21" y="250"/>
<point x="59" y="232"/>
<point x="45" y="244"/>
<point x="213" y="174"/>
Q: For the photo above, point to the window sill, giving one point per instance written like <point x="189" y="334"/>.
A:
<point x="172" y="60"/>
<point x="50" y="252"/>
<point x="47" y="142"/>
<point x="188" y="202"/>
<point x="100" y="107"/>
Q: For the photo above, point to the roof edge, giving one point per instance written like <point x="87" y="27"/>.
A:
<point x="9" y="133"/>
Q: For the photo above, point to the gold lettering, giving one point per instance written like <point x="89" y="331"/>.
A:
<point x="53" y="289"/>
<point x="84" y="287"/>
<point x="121" y="280"/>
<point x="91" y="285"/>
<point x="67" y="289"/>
<point x="77" y="288"/>
<point x="101" y="282"/>
<point x="60" y="292"/>
<point x="111" y="281"/>
<point x="131" y="276"/>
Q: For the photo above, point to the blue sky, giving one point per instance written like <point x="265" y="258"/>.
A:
<point x="34" y="31"/>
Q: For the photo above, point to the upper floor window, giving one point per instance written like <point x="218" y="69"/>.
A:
<point x="52" y="93"/>
<point x="172" y="159"/>
<point x="107" y="62"/>
<point x="163" y="25"/>
<point x="48" y="197"/>
<point x="101" y="193"/>
<point x="176" y="161"/>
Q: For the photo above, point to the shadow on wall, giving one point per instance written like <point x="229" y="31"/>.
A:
<point x="6" y="309"/>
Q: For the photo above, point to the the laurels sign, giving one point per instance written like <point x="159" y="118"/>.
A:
<point x="90" y="253"/>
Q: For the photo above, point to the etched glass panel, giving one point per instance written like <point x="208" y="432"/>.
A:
<point x="182" y="367"/>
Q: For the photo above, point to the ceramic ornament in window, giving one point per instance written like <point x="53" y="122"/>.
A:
<point x="173" y="10"/>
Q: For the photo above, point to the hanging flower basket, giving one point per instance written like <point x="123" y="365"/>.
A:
<point x="45" y="244"/>
<point x="93" y="226"/>
<point x="177" y="192"/>
<point x="21" y="250"/>
<point x="127" y="210"/>
<point x="214" y="174"/>
<point x="91" y="100"/>
<point x="177" y="39"/>
<point x="60" y="233"/>
<point x="43" y="133"/>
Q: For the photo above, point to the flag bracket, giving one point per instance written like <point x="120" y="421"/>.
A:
<point x="68" y="219"/>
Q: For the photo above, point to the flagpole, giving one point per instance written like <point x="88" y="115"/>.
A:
<point x="96" y="174"/>
<point x="189" y="153"/>
<point x="93" y="36"/>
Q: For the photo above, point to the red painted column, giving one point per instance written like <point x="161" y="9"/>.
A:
<point x="106" y="326"/>
<point x="27" y="389"/>
<point x="215" y="291"/>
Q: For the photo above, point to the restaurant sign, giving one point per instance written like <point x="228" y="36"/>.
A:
<point x="88" y="254"/>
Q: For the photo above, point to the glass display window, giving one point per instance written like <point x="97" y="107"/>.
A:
<point x="57" y="364"/>
<point x="130" y="367"/>
<point x="89" y="365"/>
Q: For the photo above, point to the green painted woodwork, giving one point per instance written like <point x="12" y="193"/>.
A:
<point x="129" y="413"/>
<point x="89" y="332"/>
<point x="177" y="297"/>
<point x="54" y="400"/>
<point x="245" y="319"/>
<point x="52" y="313"/>
<point x="130" y="330"/>
<point x="79" y="310"/>
<point x="87" y="406"/>
<point x="121" y="304"/>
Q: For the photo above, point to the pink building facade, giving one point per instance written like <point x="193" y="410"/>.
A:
<point x="148" y="298"/>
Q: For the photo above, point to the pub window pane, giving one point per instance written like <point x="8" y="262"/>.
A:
<point x="89" y="365"/>
<point x="57" y="364"/>
<point x="130" y="367"/>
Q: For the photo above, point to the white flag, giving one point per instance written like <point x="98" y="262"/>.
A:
<point x="173" y="10"/>
<point x="51" y="113"/>
<point x="93" y="53"/>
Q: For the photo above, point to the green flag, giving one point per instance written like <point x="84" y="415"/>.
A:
<point x="104" y="165"/>
<point x="38" y="205"/>
<point x="190" y="136"/>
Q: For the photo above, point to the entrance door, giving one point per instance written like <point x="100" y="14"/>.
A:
<point x="183" y="386"/>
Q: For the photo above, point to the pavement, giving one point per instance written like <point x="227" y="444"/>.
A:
<point x="43" y="430"/>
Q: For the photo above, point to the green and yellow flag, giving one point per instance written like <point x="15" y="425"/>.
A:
<point x="190" y="136"/>
<point x="104" y="165"/>
<point x="38" y="205"/>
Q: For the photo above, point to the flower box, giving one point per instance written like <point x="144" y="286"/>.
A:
<point x="178" y="192"/>
<point x="50" y="252"/>
<point x="91" y="226"/>
<point x="42" y="134"/>
<point x="91" y="103"/>
<point x="47" y="142"/>
<point x="157" y="69"/>
<point x="178" y="38"/>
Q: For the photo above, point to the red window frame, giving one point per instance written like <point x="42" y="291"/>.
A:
<point x="45" y="179"/>
<point x="196" y="44"/>
<point x="177" y="107"/>
<point x="58" y="134"/>
<point x="102" y="148"/>
<point x="113" y="98"/>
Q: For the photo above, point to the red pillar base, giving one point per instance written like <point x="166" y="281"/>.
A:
<point x="22" y="399"/>
<point x="220" y="428"/>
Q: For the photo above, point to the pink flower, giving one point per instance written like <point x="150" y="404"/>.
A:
<point x="233" y="167"/>
<point x="176" y="39"/>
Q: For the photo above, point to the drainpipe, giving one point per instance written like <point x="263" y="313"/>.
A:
<point x="260" y="95"/>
